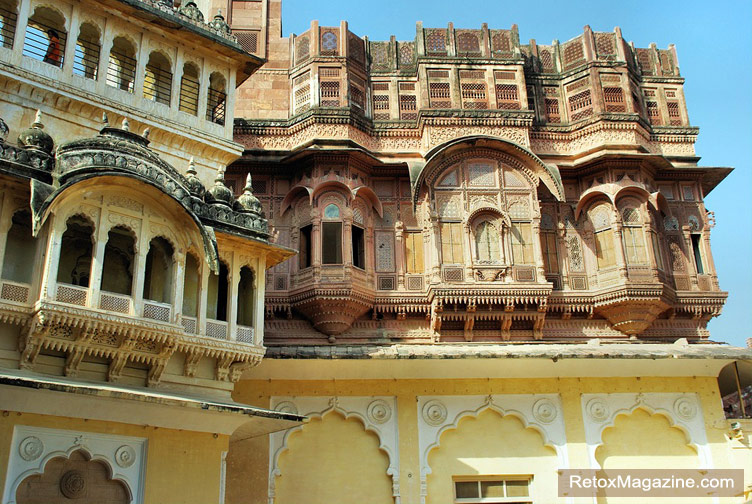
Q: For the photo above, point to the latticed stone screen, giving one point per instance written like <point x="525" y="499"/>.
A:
<point x="248" y="39"/>
<point x="473" y="89"/>
<point x="605" y="46"/>
<point x="439" y="89"/>
<point x="329" y="87"/>
<point x="436" y="42"/>
<point x="301" y="93"/>
<point x="357" y="92"/>
<point x="406" y="54"/>
<point x="468" y="43"/>
<point x="614" y="98"/>
<point x="380" y="93"/>
<point x="408" y="101"/>
<point x="572" y="54"/>
<point x="501" y="44"/>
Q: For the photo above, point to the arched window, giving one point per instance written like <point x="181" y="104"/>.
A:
<point x="604" y="236"/>
<point x="8" y="22"/>
<point x="86" y="57"/>
<point x="331" y="236"/>
<point x="633" y="236"/>
<point x="45" y="36"/>
<point x="158" y="79"/>
<point x="215" y="105"/>
<point x="487" y="238"/>
<point x="216" y="306"/>
<point x="121" y="67"/>
<point x="158" y="271"/>
<point x="246" y="298"/>
<point x="117" y="267"/>
<point x="20" y="249"/>
<point x="74" y="267"/>
<point x="191" y="284"/>
<point x="189" y="86"/>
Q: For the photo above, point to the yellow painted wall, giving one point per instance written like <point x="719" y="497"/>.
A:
<point x="182" y="467"/>
<point x="332" y="460"/>
<point x="407" y="391"/>
<point x="490" y="445"/>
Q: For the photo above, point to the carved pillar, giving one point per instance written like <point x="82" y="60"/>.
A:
<point x="141" y="62"/>
<point x="648" y="231"/>
<point x="563" y="254"/>
<point x="178" y="287"/>
<point x="259" y="294"/>
<point x="709" y="263"/>
<point x="104" y="56"/>
<point x="538" y="251"/>
<point x="232" y="301"/>
<point x="139" y="270"/>
<point x="316" y="247"/>
<point x="621" y="261"/>
<point x="203" y="299"/>
<point x="467" y="250"/>
<point x="52" y="252"/>
<point x="70" y="45"/>
<point x="434" y="239"/>
<point x="97" y="263"/>
<point x="6" y="221"/>
<point x="692" y="270"/>
<point x="399" y="253"/>
<point x="24" y="11"/>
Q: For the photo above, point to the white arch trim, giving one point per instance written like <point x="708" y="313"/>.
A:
<point x="438" y="414"/>
<point x="378" y="414"/>
<point x="33" y="447"/>
<point x="683" y="411"/>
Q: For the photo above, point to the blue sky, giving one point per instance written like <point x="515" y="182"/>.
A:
<point x="713" y="43"/>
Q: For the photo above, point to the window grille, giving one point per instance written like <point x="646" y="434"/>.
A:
<point x="121" y="69"/>
<point x="8" y="22"/>
<point x="581" y="105"/>
<point x="380" y="93"/>
<point x="215" y="107"/>
<point x="614" y="98"/>
<point x="436" y="42"/>
<point x="45" y="40"/>
<point x="329" y="93"/>
<point x="158" y="81"/>
<point x="439" y="95"/>
<point x="408" y="101"/>
<point x="86" y="56"/>
<point x="507" y="96"/>
<point x="654" y="114"/>
<point x="189" y="92"/>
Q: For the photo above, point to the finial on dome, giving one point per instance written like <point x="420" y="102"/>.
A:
<point x="38" y="120"/>
<point x="248" y="184"/>
<point x="220" y="175"/>
<point x="192" y="166"/>
<point x="105" y="119"/>
<point x="126" y="124"/>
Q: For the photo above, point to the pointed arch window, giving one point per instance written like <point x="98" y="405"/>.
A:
<point x="117" y="267"/>
<point x="46" y="36"/>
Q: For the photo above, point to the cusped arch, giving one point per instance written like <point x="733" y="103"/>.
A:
<point x="652" y="412"/>
<point x="331" y="185"/>
<point x="368" y="194"/>
<point x="436" y="160"/>
<point x="453" y="425"/>
<point x="67" y="454"/>
<point x="590" y="198"/>
<point x="484" y="210"/>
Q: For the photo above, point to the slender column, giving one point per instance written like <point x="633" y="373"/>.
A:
<point x="399" y="253"/>
<point x="538" y="251"/>
<point x="432" y="237"/>
<point x="18" y="40"/>
<point x="143" y="59"/>
<point x="468" y="250"/>
<point x="49" y="274"/>
<point x="97" y="263"/>
<point x="6" y="220"/>
<point x="177" y="78"/>
<point x="316" y="247"/>
<point x="203" y="299"/>
<point x="259" y="294"/>
<point x="621" y="262"/>
<point x="104" y="56"/>
<point x="178" y="288"/>
<point x="70" y="45"/>
<point x="139" y="270"/>
<point x="232" y="302"/>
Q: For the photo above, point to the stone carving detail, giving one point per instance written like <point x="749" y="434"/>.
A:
<point x="384" y="251"/>
<point x="31" y="448"/>
<point x="449" y="206"/>
<point x="73" y="484"/>
<point x="125" y="456"/>
<point x="597" y="409"/>
<point x="694" y="223"/>
<point x="677" y="256"/>
<point x="544" y="411"/>
<point x="434" y="412"/>
<point x="670" y="223"/>
<point x="686" y="408"/>
<point x="287" y="407"/>
<point x="379" y="411"/>
<point x="576" y="262"/>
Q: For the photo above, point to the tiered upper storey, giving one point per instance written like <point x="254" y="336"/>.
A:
<point x="463" y="186"/>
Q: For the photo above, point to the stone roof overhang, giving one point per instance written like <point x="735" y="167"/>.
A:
<point x="549" y="174"/>
<point x="170" y="19"/>
<point x="484" y="360"/>
<point x="31" y="393"/>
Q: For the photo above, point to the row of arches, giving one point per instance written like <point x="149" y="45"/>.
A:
<point x="161" y="273"/>
<point x="46" y="38"/>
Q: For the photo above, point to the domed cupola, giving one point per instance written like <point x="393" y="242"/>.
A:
<point x="219" y="23"/>
<point x="219" y="193"/>
<point x="247" y="202"/>
<point x="195" y="187"/>
<point x="36" y="138"/>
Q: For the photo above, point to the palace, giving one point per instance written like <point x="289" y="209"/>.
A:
<point x="239" y="267"/>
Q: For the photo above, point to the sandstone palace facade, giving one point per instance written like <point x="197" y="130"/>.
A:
<point x="245" y="268"/>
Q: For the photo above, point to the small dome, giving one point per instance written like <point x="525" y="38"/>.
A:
<point x="219" y="24"/>
<point x="195" y="187"/>
<point x="247" y="202"/>
<point x="219" y="192"/>
<point x="35" y="137"/>
<point x="191" y="10"/>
